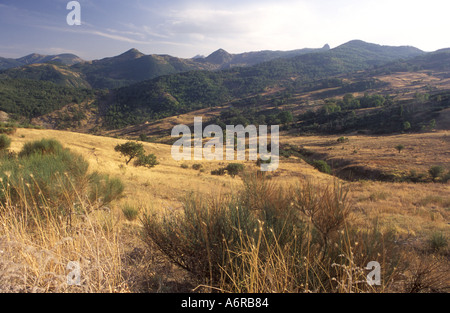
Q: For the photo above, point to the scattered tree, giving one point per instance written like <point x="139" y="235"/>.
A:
<point x="400" y="148"/>
<point x="130" y="150"/>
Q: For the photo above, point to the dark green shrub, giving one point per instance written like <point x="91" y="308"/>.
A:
<point x="218" y="172"/>
<point x="234" y="169"/>
<point x="438" y="242"/>
<point x="185" y="166"/>
<point x="197" y="166"/>
<point x="148" y="160"/>
<point x="343" y="140"/>
<point x="143" y="137"/>
<point x="436" y="172"/>
<point x="322" y="166"/>
<point x="5" y="142"/>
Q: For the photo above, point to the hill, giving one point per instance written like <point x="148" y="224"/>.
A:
<point x="34" y="58"/>
<point x="58" y="74"/>
<point x="181" y="93"/>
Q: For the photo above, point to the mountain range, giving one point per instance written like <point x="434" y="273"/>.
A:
<point x="133" y="87"/>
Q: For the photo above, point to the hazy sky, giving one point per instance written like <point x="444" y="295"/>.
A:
<point x="185" y="28"/>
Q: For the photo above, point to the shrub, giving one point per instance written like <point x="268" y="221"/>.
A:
<point x="343" y="140"/>
<point x="103" y="189"/>
<point x="322" y="166"/>
<point x="148" y="160"/>
<point x="5" y="142"/>
<point x="218" y="172"/>
<point x="47" y="176"/>
<point x="417" y="177"/>
<point x="436" y="172"/>
<point x="185" y="166"/>
<point x="446" y="177"/>
<point x="43" y="147"/>
<point x="268" y="238"/>
<point x="143" y="137"/>
<point x="438" y="242"/>
<point x="197" y="166"/>
<point x="130" y="212"/>
<point x="234" y="169"/>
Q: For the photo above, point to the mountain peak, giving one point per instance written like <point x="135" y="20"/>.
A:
<point x="219" y="57"/>
<point x="131" y="54"/>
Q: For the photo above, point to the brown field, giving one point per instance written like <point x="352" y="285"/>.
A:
<point x="413" y="211"/>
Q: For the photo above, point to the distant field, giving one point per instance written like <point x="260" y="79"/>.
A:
<point x="378" y="153"/>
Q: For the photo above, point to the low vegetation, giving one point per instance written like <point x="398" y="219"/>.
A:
<point x="272" y="239"/>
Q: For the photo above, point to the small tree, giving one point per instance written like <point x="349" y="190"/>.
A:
<point x="400" y="148"/>
<point x="436" y="171"/>
<point x="130" y="150"/>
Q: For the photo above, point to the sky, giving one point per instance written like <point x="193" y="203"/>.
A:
<point x="186" y="28"/>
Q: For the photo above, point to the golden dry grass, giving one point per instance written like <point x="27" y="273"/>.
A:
<point x="401" y="205"/>
<point x="412" y="211"/>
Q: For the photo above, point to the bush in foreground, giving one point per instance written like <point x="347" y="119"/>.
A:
<point x="271" y="239"/>
<point x="49" y="177"/>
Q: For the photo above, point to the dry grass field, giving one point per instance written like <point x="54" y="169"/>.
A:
<point x="414" y="212"/>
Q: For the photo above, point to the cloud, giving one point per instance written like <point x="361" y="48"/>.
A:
<point x="275" y="25"/>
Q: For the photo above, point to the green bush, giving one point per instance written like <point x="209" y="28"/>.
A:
<point x="197" y="167"/>
<point x="43" y="147"/>
<point x="5" y="142"/>
<point x="148" y="160"/>
<point x="343" y="140"/>
<point x="234" y="169"/>
<point x="218" y="172"/>
<point x="438" y="242"/>
<point x="322" y="166"/>
<point x="50" y="177"/>
<point x="436" y="172"/>
<point x="130" y="212"/>
<point x="103" y="189"/>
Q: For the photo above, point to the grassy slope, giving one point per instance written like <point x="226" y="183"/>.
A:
<point x="411" y="209"/>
